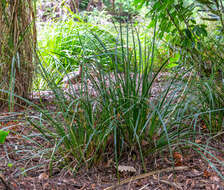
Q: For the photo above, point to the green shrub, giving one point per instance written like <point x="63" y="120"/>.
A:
<point x="61" y="47"/>
<point x="121" y="10"/>
<point x="64" y="42"/>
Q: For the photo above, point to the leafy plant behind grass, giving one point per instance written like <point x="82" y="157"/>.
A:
<point x="64" y="38"/>
<point x="186" y="30"/>
<point x="63" y="42"/>
<point x="121" y="10"/>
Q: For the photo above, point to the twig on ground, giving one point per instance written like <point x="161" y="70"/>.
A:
<point x="146" y="175"/>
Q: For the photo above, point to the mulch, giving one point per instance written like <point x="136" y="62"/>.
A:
<point x="22" y="169"/>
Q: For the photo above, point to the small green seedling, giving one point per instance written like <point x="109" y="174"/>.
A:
<point x="10" y="165"/>
<point x="3" y="135"/>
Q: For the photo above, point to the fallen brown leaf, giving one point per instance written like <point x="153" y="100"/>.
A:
<point x="206" y="173"/>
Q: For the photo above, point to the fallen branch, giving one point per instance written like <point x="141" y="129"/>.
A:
<point x="128" y="180"/>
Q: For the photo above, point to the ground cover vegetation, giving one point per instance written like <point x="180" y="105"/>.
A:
<point x="150" y="84"/>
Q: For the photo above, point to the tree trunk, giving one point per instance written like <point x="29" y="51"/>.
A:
<point x="74" y="5"/>
<point x="17" y="44"/>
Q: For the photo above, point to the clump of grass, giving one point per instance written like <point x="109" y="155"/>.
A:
<point x="210" y="101"/>
<point x="208" y="88"/>
<point x="123" y="116"/>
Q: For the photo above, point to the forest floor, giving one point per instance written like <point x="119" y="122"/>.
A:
<point x="23" y="168"/>
<point x="191" y="171"/>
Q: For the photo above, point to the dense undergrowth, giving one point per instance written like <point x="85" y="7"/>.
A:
<point x="114" y="112"/>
